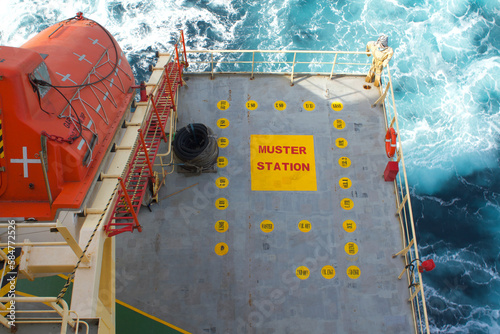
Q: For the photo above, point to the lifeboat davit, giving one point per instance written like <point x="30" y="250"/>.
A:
<point x="63" y="95"/>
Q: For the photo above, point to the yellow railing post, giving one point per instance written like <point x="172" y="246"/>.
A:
<point x="333" y="66"/>
<point x="253" y="63"/>
<point x="212" y="62"/>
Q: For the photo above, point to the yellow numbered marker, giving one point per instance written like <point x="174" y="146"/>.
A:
<point x="328" y="272"/>
<point x="345" y="183"/>
<point x="280" y="105"/>
<point x="302" y="272"/>
<point x="347" y="204"/>
<point x="222" y="142"/>
<point x="266" y="226"/>
<point x="223" y="105"/>
<point x="221" y="249"/>
<point x="353" y="272"/>
<point x="222" y="123"/>
<point x="221" y="226"/>
<point x="309" y="106"/>
<point x="304" y="226"/>
<point x="221" y="203"/>
<point x="341" y="142"/>
<point x="349" y="226"/>
<point x="344" y="162"/>
<point x="222" y="162"/>
<point x="221" y="182"/>
<point x="351" y="248"/>
<point x="337" y="106"/>
<point x="339" y="124"/>
<point x="251" y="105"/>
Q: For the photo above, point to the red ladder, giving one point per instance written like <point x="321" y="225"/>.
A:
<point x="140" y="170"/>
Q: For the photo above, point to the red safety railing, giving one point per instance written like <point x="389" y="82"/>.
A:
<point x="139" y="173"/>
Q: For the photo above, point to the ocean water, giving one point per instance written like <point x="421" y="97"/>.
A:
<point x="446" y="71"/>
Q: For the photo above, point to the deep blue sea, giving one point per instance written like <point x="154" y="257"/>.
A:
<point x="446" y="71"/>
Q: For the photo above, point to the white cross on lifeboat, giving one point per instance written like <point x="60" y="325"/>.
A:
<point x="25" y="161"/>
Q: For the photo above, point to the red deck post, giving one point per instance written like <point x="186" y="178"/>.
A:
<point x="178" y="64"/>
<point x="129" y="203"/>
<point x="184" y="46"/>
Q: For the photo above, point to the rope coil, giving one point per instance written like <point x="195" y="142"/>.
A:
<point x="196" y="146"/>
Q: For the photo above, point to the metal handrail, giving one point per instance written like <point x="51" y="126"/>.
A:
<point x="405" y="213"/>
<point x="58" y="306"/>
<point x="403" y="202"/>
<point x="213" y="65"/>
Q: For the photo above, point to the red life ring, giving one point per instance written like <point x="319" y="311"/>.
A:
<point x="390" y="142"/>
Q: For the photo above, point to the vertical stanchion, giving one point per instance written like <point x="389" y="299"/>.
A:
<point x="184" y="46"/>
<point x="178" y="64"/>
<point x="253" y="63"/>
<point x="212" y="64"/>
<point x="333" y="66"/>
<point x="293" y="67"/>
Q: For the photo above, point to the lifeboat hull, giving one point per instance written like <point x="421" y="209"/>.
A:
<point x="63" y="96"/>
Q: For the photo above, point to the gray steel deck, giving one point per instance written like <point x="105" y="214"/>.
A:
<point x="171" y="270"/>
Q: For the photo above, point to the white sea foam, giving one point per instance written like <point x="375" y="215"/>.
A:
<point x="445" y="68"/>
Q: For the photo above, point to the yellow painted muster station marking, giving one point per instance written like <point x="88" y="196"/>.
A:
<point x="351" y="248"/>
<point x="309" y="105"/>
<point x="339" y="124"/>
<point x="222" y="142"/>
<point x="266" y="226"/>
<point x="280" y="105"/>
<point x="302" y="272"/>
<point x="222" y="182"/>
<point x="341" y="142"/>
<point x="345" y="183"/>
<point x="221" y="226"/>
<point x="328" y="272"/>
<point x="344" y="162"/>
<point x="221" y="203"/>
<point x="222" y="162"/>
<point x="251" y="105"/>
<point x="349" y="226"/>
<point x="337" y="106"/>
<point x="353" y="272"/>
<point x="304" y="226"/>
<point x="347" y="204"/>
<point x="223" y="105"/>
<point x="221" y="249"/>
<point x="282" y="163"/>
<point x="222" y="123"/>
<point x="2" y="154"/>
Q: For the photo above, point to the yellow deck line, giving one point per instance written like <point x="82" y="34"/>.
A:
<point x="152" y="317"/>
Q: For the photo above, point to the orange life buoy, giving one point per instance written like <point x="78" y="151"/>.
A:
<point x="390" y="142"/>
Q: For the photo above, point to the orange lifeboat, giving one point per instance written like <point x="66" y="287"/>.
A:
<point x="63" y="95"/>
